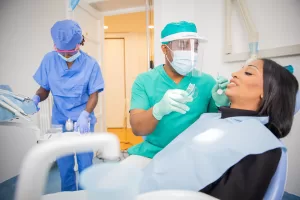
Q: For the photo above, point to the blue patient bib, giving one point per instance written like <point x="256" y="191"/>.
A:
<point x="206" y="150"/>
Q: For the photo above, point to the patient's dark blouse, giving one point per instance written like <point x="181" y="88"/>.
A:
<point x="248" y="179"/>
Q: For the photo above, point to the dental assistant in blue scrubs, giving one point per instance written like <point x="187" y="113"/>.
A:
<point x="74" y="79"/>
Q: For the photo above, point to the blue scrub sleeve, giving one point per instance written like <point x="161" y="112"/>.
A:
<point x="41" y="76"/>
<point x="96" y="82"/>
<point x="139" y="97"/>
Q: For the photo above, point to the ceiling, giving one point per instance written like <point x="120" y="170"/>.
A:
<point x="112" y="5"/>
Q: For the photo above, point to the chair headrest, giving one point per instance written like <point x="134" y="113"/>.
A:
<point x="297" y="107"/>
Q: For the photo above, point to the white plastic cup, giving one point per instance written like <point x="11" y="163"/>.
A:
<point x="69" y="125"/>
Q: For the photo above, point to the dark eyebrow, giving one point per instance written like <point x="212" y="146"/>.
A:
<point x="253" y="66"/>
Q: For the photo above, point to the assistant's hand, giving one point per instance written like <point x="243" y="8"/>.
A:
<point x="36" y="100"/>
<point x="83" y="122"/>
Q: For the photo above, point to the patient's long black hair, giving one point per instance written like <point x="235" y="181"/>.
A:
<point x="279" y="98"/>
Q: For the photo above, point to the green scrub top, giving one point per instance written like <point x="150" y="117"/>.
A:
<point x="149" y="88"/>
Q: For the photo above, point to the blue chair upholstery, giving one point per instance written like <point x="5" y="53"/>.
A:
<point x="297" y="107"/>
<point x="276" y="188"/>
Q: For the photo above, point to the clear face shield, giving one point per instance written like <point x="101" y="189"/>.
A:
<point x="187" y="59"/>
<point x="186" y="56"/>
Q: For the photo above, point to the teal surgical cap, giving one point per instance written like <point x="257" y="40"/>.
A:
<point x="180" y="30"/>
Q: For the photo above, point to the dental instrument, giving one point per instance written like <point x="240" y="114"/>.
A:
<point x="13" y="110"/>
<point x="16" y="96"/>
<point x="12" y="104"/>
<point x="191" y="89"/>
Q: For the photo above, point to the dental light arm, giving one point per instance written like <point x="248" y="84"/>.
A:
<point x="253" y="35"/>
<point x="252" y="32"/>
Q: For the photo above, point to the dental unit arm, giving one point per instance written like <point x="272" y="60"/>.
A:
<point x="14" y="105"/>
<point x="37" y="163"/>
<point x="251" y="30"/>
<point x="253" y="35"/>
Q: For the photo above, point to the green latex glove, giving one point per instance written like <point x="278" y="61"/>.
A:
<point x="173" y="101"/>
<point x="220" y="99"/>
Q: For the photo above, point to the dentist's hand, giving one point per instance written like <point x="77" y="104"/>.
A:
<point x="83" y="122"/>
<point x="36" y="100"/>
<point x="173" y="101"/>
<point x="220" y="99"/>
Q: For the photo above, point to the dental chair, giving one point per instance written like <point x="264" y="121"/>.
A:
<point x="278" y="182"/>
<point x="35" y="166"/>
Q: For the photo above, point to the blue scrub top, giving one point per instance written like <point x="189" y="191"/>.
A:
<point x="70" y="88"/>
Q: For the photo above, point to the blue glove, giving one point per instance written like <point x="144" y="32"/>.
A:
<point x="36" y="100"/>
<point x="83" y="122"/>
<point x="220" y="98"/>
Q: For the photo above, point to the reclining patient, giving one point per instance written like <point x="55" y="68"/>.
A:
<point x="235" y="153"/>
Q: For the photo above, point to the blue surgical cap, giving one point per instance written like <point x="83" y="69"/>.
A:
<point x="66" y="34"/>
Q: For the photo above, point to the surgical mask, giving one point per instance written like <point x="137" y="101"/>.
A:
<point x="70" y="59"/>
<point x="183" y="62"/>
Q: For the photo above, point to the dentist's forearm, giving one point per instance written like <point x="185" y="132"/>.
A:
<point x="142" y="122"/>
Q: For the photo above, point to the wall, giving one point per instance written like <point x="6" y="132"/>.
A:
<point x="25" y="39"/>
<point x="278" y="22"/>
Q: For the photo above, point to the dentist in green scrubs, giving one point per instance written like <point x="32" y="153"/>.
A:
<point x="161" y="105"/>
